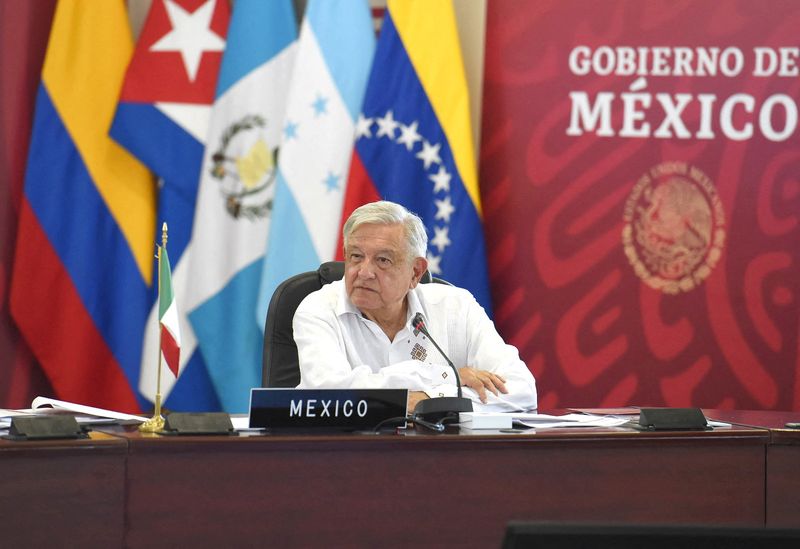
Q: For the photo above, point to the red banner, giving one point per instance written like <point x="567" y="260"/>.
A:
<point x="24" y="27"/>
<point x="640" y="173"/>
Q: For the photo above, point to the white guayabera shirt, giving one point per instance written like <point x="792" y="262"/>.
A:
<point x="339" y="348"/>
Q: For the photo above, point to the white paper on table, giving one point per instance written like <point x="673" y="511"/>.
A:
<point x="41" y="402"/>
<point x="545" y="421"/>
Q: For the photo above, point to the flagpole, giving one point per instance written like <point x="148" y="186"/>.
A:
<point x="156" y="423"/>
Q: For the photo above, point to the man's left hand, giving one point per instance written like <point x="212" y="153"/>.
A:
<point x="481" y="380"/>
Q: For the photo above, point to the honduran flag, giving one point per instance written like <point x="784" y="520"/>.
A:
<point x="162" y="118"/>
<point x="334" y="55"/>
<point x="234" y="202"/>
<point x="84" y="254"/>
<point x="414" y="139"/>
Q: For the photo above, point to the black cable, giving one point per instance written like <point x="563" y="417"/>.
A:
<point x="377" y="428"/>
<point x="438" y="426"/>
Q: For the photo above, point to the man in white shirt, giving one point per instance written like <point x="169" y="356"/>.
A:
<point x="358" y="332"/>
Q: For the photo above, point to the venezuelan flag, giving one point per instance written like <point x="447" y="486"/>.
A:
<point x="85" y="244"/>
<point x="414" y="139"/>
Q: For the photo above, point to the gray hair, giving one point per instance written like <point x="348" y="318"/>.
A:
<point x="389" y="213"/>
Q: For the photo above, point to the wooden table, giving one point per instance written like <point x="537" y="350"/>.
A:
<point x="783" y="462"/>
<point x="433" y="490"/>
<point x="63" y="492"/>
<point x="124" y="489"/>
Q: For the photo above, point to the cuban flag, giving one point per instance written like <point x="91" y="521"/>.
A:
<point x="162" y="118"/>
<point x="414" y="140"/>
<point x="83" y="268"/>
<point x="237" y="186"/>
<point x="335" y="51"/>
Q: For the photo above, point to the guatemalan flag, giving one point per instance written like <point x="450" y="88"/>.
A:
<point x="414" y="140"/>
<point x="335" y="52"/>
<point x="234" y="202"/>
<point x="84" y="256"/>
<point x="162" y="118"/>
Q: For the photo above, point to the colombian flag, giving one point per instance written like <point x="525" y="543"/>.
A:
<point x="84" y="253"/>
<point x="414" y="139"/>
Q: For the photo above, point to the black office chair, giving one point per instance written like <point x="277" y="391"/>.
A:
<point x="280" y="366"/>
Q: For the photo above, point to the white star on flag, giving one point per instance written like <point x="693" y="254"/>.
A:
<point x="441" y="240"/>
<point x="387" y="125"/>
<point x="441" y="180"/>
<point x="409" y="135"/>
<point x="190" y="35"/>
<point x="433" y="264"/>
<point x="445" y="209"/>
<point x="429" y="153"/>
<point x="363" y="126"/>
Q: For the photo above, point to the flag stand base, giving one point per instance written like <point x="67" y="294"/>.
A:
<point x="152" y="425"/>
<point x="155" y="423"/>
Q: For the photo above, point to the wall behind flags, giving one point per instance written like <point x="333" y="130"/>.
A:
<point x="640" y="185"/>
<point x="24" y="28"/>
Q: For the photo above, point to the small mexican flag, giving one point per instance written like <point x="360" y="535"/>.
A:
<point x="168" y="315"/>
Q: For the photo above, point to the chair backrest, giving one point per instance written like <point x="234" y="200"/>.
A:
<point x="280" y="364"/>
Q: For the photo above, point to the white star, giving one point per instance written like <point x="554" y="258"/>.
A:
<point x="409" y="135"/>
<point x="429" y="154"/>
<point x="445" y="209"/>
<point x="441" y="240"/>
<point x="433" y="264"/>
<point x="441" y="180"/>
<point x="387" y="125"/>
<point x="363" y="126"/>
<point x="190" y="35"/>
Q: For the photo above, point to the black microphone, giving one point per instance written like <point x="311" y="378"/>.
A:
<point x="439" y="408"/>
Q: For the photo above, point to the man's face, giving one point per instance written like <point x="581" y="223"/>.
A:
<point x="378" y="272"/>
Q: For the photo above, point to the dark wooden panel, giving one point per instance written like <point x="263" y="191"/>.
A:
<point x="63" y="493"/>
<point x="783" y="486"/>
<point x="403" y="491"/>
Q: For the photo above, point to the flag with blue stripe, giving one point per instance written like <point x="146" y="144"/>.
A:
<point x="414" y="140"/>
<point x="234" y="202"/>
<point x="335" y="52"/>
<point x="162" y="118"/>
<point x="83" y="271"/>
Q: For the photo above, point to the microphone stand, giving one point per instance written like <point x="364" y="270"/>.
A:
<point x="437" y="410"/>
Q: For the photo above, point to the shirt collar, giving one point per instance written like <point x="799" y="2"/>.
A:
<point x="343" y="303"/>
<point x="414" y="305"/>
<point x="345" y="306"/>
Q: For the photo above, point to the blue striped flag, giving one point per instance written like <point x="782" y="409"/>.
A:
<point x="84" y="256"/>
<point x="162" y="118"/>
<point x="414" y="140"/>
<point x="234" y="202"/>
<point x="335" y="51"/>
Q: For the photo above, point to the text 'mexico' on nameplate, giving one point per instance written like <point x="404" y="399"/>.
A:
<point x="338" y="409"/>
